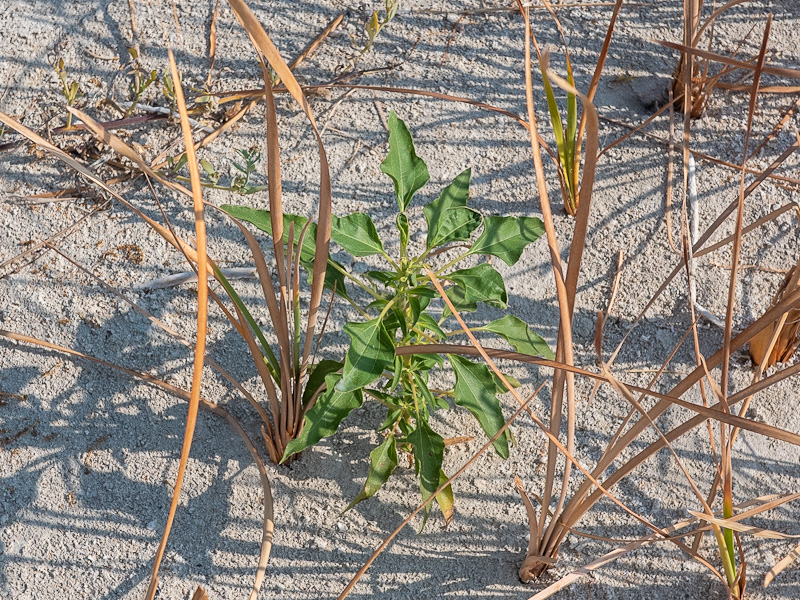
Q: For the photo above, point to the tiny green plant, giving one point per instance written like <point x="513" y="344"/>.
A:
<point x="240" y="182"/>
<point x="168" y="89"/>
<point x="373" y="27"/>
<point x="70" y="90"/>
<point x="210" y="176"/>
<point x="141" y="80"/>
<point x="405" y="310"/>
<point x="568" y="145"/>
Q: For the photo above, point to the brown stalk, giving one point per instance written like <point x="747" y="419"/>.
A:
<point x="630" y="547"/>
<point x="727" y="467"/>
<point x="212" y="43"/>
<point x="779" y="71"/>
<point x="270" y="55"/>
<point x="282" y="326"/>
<point x="202" y="320"/>
<point x="268" y="292"/>
<point x="564" y="352"/>
<point x="574" y="264"/>
<point x="572" y="513"/>
<point x="595" y="82"/>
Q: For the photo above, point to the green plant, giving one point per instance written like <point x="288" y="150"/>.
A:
<point x="141" y="81"/>
<point x="570" y="136"/>
<point x="71" y="91"/>
<point x="240" y="183"/>
<point x="210" y="175"/>
<point x="405" y="310"/>
<point x="168" y="89"/>
<point x="373" y="27"/>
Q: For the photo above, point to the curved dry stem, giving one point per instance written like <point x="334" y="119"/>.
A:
<point x="202" y="320"/>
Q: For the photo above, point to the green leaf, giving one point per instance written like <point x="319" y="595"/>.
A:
<point x="475" y="391"/>
<point x="481" y="283"/>
<point x="422" y="387"/>
<point x="324" y="418"/>
<point x="261" y="220"/>
<point x="384" y="277"/>
<point x="391" y="418"/>
<point x="408" y="172"/>
<point x="317" y="377"/>
<point x="426" y="362"/>
<point x="398" y="372"/>
<point x="448" y="218"/>
<point x="371" y="351"/>
<point x="445" y="499"/>
<point x="517" y="333"/>
<point x="402" y="227"/>
<point x="428" y="456"/>
<point x="356" y="233"/>
<point x="416" y="309"/>
<point x="429" y="323"/>
<point x="500" y="387"/>
<point x="506" y="237"/>
<point x="382" y="461"/>
<point x="457" y="224"/>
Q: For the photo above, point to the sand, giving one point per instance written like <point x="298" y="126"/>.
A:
<point x="89" y="456"/>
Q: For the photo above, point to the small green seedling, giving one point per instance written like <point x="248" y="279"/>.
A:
<point x="168" y="89"/>
<point x="373" y="27"/>
<point x="568" y="144"/>
<point x="405" y="310"/>
<point x="176" y="165"/>
<point x="240" y="183"/>
<point x="71" y="91"/>
<point x="141" y="80"/>
<point x="210" y="176"/>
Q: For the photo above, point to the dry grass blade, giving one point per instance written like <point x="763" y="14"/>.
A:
<point x="202" y="318"/>
<point x="617" y="553"/>
<point x="564" y="350"/>
<point x="697" y="249"/>
<point x="589" y="118"/>
<point x="781" y="565"/>
<point x="212" y="43"/>
<point x="779" y="71"/>
<point x="269" y="52"/>
<point x="312" y="47"/>
<point x="200" y="594"/>
<point x="768" y="348"/>
<point x="120" y="147"/>
<point x="735" y="525"/>
<point x="80" y="168"/>
<point x="610" y="557"/>
<point x="532" y="560"/>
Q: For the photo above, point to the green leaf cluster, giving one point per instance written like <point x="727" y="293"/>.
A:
<point x="405" y="310"/>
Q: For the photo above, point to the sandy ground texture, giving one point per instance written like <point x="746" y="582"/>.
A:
<point x="88" y="456"/>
